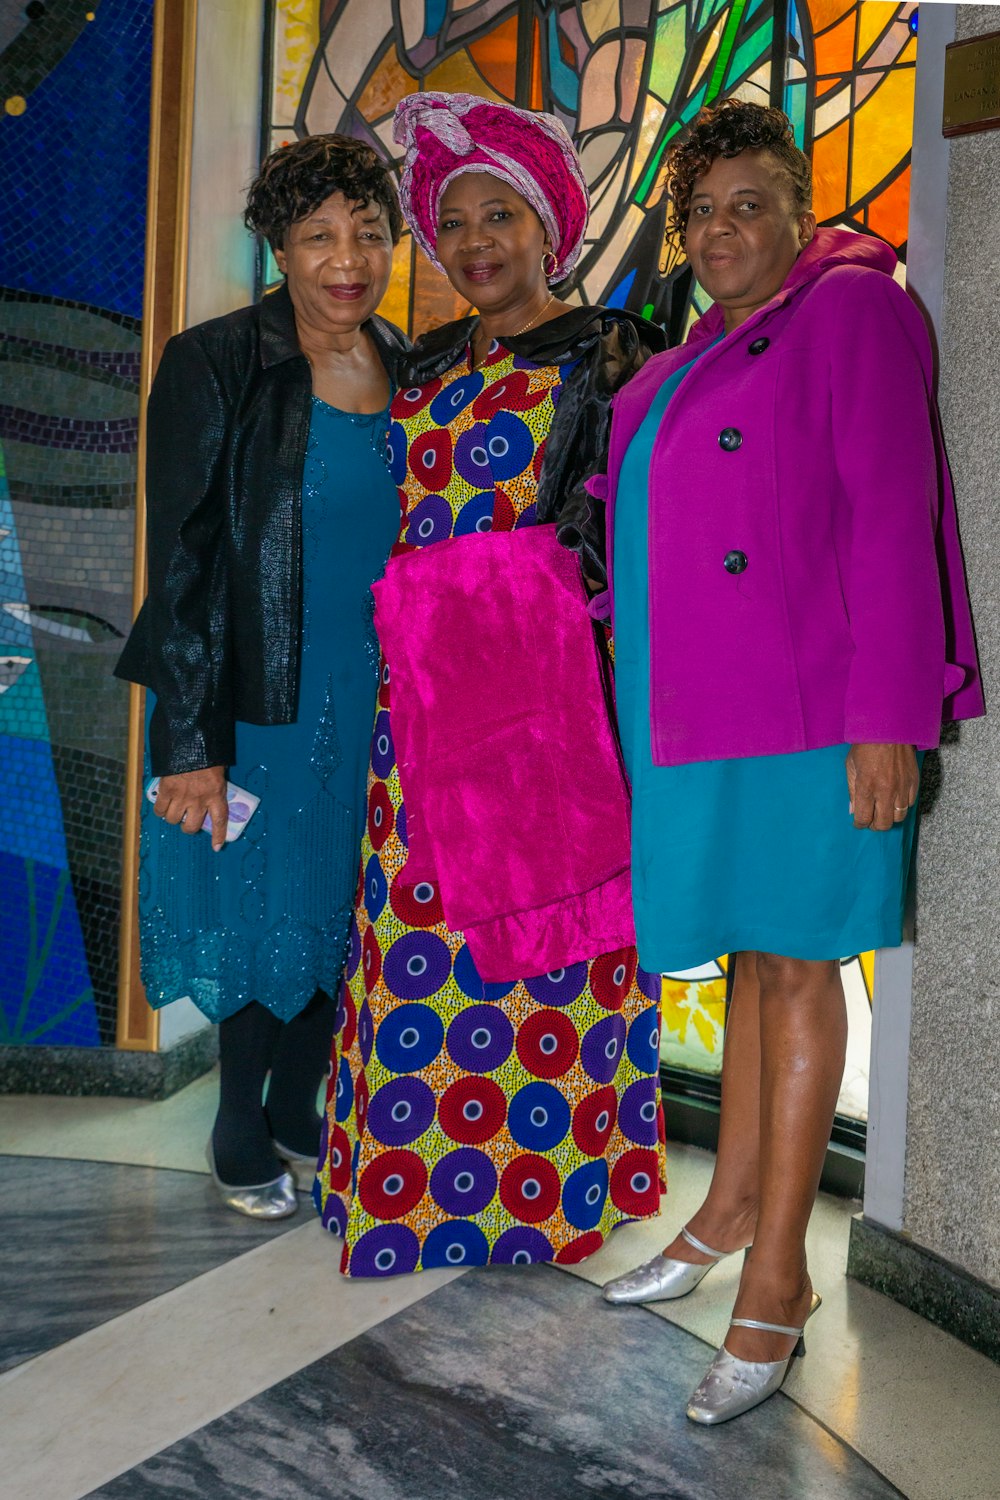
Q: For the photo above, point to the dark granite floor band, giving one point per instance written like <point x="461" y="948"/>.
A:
<point x="83" y="1242"/>
<point x="505" y="1385"/>
<point x="944" y="1294"/>
<point x="84" y="1071"/>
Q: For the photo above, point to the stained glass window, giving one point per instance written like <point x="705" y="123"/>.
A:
<point x="625" y="76"/>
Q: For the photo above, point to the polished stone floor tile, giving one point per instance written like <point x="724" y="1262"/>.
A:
<point x="877" y="1375"/>
<point x="74" y="1418"/>
<point x="82" y="1242"/>
<point x="505" y="1385"/>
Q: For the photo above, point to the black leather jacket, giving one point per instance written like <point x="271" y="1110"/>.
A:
<point x="608" y="346"/>
<point x="219" y="636"/>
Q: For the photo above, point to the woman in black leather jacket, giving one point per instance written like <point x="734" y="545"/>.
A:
<point x="271" y="510"/>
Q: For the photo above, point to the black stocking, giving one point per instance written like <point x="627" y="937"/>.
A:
<point x="297" y="1070"/>
<point x="244" y="1156"/>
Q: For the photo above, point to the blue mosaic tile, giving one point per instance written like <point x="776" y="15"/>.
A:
<point x="45" y="990"/>
<point x="74" y="130"/>
<point x="73" y="163"/>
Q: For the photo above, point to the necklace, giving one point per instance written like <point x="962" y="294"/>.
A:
<point x="518" y="331"/>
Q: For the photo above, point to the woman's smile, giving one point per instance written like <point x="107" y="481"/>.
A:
<point x="481" y="271"/>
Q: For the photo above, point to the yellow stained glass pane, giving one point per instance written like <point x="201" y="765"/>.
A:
<point x="600" y="16"/>
<point x="709" y="52"/>
<point x="630" y="74"/>
<point x="652" y="119"/>
<point x="874" y="17"/>
<point x="693" y="1020"/>
<point x="395" y="305"/>
<point x="668" y="53"/>
<point x="883" y="132"/>
<point x="868" y="959"/>
<point x="296" y="36"/>
<point x="456" y="75"/>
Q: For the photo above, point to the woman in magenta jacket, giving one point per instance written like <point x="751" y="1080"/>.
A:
<point x="791" y="626"/>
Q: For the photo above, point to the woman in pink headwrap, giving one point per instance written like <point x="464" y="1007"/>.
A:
<point x="494" y="1089"/>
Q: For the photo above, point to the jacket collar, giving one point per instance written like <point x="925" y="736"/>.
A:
<point x="827" y="248"/>
<point x="279" y="340"/>
<point x="556" y="342"/>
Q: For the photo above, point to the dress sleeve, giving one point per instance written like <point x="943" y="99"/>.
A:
<point x="187" y="627"/>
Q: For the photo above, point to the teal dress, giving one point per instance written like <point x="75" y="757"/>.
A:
<point x="267" y="918"/>
<point x="730" y="855"/>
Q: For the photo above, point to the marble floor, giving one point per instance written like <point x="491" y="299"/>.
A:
<point x="154" y="1345"/>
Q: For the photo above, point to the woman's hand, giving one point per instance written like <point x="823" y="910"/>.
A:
<point x="187" y="799"/>
<point x="883" y="781"/>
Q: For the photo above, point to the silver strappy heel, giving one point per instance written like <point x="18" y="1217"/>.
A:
<point x="732" y="1386"/>
<point x="663" y="1279"/>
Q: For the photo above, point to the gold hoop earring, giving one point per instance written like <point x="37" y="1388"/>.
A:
<point x="549" y="271"/>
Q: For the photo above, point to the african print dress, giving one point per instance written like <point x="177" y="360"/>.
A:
<point x="469" y="1123"/>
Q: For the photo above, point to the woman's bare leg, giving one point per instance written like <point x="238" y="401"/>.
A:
<point x="726" y="1219"/>
<point x="803" y="1040"/>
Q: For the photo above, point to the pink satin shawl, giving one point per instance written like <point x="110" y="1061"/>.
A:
<point x="517" y="807"/>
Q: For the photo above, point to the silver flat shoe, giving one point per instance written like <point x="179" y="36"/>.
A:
<point x="287" y="1154"/>
<point x="732" y="1386"/>
<point x="662" y="1279"/>
<point x="265" y="1200"/>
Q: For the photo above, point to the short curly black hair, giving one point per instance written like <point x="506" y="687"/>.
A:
<point x="295" y="179"/>
<point x="727" y="129"/>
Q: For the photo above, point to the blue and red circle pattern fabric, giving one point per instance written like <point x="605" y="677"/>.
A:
<point x="466" y="1122"/>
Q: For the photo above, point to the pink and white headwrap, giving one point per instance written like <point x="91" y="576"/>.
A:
<point x="448" y="134"/>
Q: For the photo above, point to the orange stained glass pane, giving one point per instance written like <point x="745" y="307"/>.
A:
<point x="829" y="162"/>
<point x="874" y="17"/>
<point x="456" y="75"/>
<point x="889" y="213"/>
<point x="495" y="55"/>
<point x="536" y="68"/>
<point x="835" y="48"/>
<point x="388" y="84"/>
<point x="883" y="132"/>
<point x="824" y="13"/>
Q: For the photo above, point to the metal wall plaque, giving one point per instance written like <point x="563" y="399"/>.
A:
<point x="972" y="85"/>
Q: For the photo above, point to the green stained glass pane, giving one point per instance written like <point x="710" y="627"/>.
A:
<point x="669" y="52"/>
<point x="707" y="10"/>
<point x="795" y="109"/>
<point x="726" y="46"/>
<point x="749" y="55"/>
<point x="693" y="105"/>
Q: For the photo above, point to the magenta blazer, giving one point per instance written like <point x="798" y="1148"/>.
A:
<point x="806" y="585"/>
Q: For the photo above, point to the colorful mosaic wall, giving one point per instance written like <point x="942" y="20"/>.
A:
<point x="626" y="76"/>
<point x="74" y="126"/>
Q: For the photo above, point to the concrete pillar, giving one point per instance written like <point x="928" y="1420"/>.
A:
<point x="931" y="1232"/>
